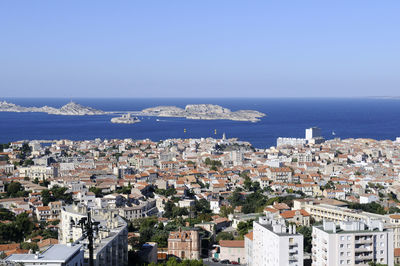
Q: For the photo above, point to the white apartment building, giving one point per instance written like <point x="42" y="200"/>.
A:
<point x="111" y="239"/>
<point x="320" y="212"/>
<point x="248" y="246"/>
<point x="335" y="213"/>
<point x="290" y="142"/>
<point x="274" y="243"/>
<point x="312" y="133"/>
<point x="38" y="171"/>
<point x="352" y="243"/>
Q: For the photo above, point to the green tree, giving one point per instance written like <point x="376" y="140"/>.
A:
<point x="13" y="188"/>
<point x="46" y="196"/>
<point x="224" y="211"/>
<point x="224" y="236"/>
<point x="97" y="191"/>
<point x="6" y="215"/>
<point x="244" y="227"/>
<point x="307" y="238"/>
<point x="29" y="246"/>
<point x="247" y="183"/>
<point x="23" y="225"/>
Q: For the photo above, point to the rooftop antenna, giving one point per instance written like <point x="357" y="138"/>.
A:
<point x="88" y="228"/>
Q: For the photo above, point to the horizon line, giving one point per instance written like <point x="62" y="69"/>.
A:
<point x="216" y="97"/>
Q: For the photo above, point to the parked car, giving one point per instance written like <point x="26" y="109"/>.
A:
<point x="225" y="262"/>
<point x="215" y="260"/>
<point x="234" y="262"/>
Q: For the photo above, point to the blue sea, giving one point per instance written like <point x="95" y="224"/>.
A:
<point x="286" y="117"/>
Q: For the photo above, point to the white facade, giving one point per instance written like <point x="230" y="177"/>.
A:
<point x="352" y="243"/>
<point x="275" y="244"/>
<point x="248" y="245"/>
<point x="290" y="141"/>
<point x="312" y="133"/>
<point x="111" y="240"/>
<point x="368" y="198"/>
<point x="214" y="206"/>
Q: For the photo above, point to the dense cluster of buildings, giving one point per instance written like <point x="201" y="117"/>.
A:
<point x="120" y="181"/>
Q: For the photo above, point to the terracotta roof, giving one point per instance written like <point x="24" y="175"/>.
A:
<point x="43" y="208"/>
<point x="47" y="242"/>
<point x="397" y="252"/>
<point x="281" y="206"/>
<point x="268" y="209"/>
<point x="249" y="235"/>
<point x="395" y="216"/>
<point x="291" y="214"/>
<point x="232" y="243"/>
<point x="6" y="247"/>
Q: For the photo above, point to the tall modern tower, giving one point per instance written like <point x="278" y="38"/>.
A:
<point x="312" y="133"/>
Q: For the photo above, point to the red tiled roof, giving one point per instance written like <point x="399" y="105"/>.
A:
<point x="249" y="235"/>
<point x="291" y="214"/>
<point x="232" y="243"/>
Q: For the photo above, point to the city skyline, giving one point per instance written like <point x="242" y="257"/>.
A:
<point x="207" y="49"/>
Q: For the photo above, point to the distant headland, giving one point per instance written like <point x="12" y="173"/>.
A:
<point x="68" y="109"/>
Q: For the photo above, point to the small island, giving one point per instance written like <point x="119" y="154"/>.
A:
<point x="204" y="112"/>
<point x="125" y="119"/>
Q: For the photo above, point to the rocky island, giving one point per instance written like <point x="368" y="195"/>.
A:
<point x="204" y="112"/>
<point x="125" y="119"/>
<point x="68" y="109"/>
<point x="191" y="111"/>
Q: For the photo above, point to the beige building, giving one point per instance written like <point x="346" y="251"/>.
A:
<point x="299" y="217"/>
<point x="38" y="171"/>
<point x="232" y="250"/>
<point x="185" y="244"/>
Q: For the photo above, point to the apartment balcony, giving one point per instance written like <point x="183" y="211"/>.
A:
<point x="364" y="240"/>
<point x="293" y="245"/>
<point x="363" y="258"/>
<point x="292" y="258"/>
<point x="363" y="249"/>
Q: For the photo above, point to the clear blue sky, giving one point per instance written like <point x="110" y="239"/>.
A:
<point x="201" y="48"/>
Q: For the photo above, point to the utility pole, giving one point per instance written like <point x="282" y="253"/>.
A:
<point x="88" y="227"/>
